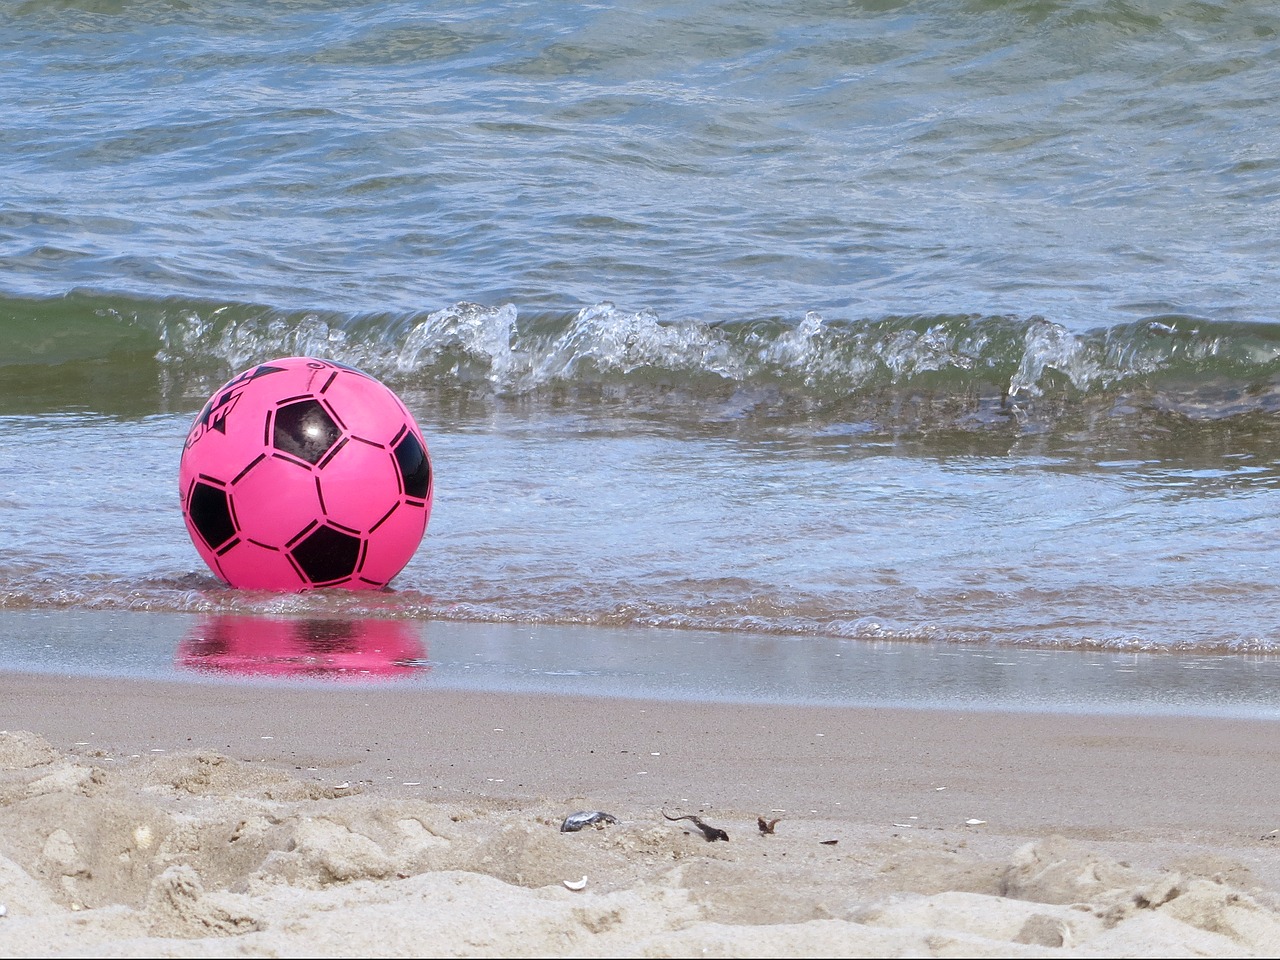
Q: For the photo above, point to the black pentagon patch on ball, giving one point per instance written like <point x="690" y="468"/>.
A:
<point x="415" y="468"/>
<point x="304" y="430"/>
<point x="326" y="555"/>
<point x="211" y="515"/>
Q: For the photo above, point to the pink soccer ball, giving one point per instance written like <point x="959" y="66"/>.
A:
<point x="302" y="473"/>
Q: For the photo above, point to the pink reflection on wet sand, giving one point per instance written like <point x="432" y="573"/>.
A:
<point x="306" y="648"/>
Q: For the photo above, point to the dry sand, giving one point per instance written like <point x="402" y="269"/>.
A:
<point x="141" y="818"/>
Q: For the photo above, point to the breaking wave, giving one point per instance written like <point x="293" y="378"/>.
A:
<point x="1005" y="365"/>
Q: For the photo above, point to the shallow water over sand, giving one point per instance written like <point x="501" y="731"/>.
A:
<point x="598" y="524"/>
<point x="632" y="663"/>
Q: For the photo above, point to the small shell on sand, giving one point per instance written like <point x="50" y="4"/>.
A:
<point x="575" y="884"/>
<point x="576" y="821"/>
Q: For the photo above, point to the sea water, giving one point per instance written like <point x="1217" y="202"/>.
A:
<point x="941" y="323"/>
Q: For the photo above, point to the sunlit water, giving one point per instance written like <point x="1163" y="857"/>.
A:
<point x="560" y="521"/>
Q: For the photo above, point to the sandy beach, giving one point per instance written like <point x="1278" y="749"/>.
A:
<point x="150" y="818"/>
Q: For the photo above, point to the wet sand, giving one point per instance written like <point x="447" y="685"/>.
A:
<point x="209" y="819"/>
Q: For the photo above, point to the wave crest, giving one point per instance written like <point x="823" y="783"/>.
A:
<point x="1195" y="367"/>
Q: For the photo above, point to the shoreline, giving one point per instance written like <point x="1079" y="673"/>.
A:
<point x="366" y="806"/>
<point x="693" y="666"/>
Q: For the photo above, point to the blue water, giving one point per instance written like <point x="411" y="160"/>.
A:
<point x="928" y="323"/>
<point x="1084" y="161"/>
